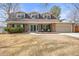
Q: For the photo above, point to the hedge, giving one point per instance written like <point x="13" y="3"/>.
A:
<point x="14" y="29"/>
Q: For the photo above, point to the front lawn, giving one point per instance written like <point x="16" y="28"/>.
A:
<point x="27" y="44"/>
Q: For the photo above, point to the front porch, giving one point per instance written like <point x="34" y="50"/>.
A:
<point x="35" y="27"/>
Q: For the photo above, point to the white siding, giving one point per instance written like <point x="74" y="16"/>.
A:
<point x="63" y="27"/>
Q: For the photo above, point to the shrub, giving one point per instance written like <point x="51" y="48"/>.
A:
<point x="14" y="29"/>
<point x="6" y="28"/>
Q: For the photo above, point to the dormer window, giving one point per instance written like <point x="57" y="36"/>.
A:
<point x="20" y="16"/>
<point x="33" y="16"/>
<point x="48" y="17"/>
<point x="44" y="16"/>
<point x="37" y="16"/>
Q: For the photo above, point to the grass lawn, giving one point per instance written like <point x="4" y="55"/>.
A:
<point x="36" y="45"/>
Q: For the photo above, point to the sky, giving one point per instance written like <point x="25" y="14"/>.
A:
<point x="40" y="7"/>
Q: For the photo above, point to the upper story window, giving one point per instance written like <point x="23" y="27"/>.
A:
<point x="20" y="16"/>
<point x="46" y="17"/>
<point x="37" y="16"/>
<point x="33" y="16"/>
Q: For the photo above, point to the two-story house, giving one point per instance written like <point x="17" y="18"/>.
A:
<point x="39" y="22"/>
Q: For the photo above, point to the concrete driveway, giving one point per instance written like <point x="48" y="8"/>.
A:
<point x="76" y="35"/>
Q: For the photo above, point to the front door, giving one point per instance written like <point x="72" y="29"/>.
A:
<point x="33" y="28"/>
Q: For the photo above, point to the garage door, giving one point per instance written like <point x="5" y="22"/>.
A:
<point x="63" y="27"/>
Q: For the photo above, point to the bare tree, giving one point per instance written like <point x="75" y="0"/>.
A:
<point x="7" y="8"/>
<point x="73" y="16"/>
<point x="74" y="13"/>
<point x="76" y="5"/>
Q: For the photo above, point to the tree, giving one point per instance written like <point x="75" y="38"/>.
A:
<point x="76" y="6"/>
<point x="56" y="10"/>
<point x="7" y="8"/>
<point x="74" y="13"/>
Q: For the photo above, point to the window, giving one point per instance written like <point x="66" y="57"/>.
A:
<point x="46" y="17"/>
<point x="49" y="17"/>
<point x="21" y="16"/>
<point x="37" y="16"/>
<point x="33" y="16"/>
<point x="12" y="25"/>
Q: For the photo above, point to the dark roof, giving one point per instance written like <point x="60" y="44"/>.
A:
<point x="37" y="15"/>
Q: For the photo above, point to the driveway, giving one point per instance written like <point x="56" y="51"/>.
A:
<point x="76" y="35"/>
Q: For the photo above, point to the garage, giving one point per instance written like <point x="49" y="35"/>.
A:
<point x="63" y="27"/>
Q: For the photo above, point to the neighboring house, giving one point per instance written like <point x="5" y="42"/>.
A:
<point x="40" y="22"/>
<point x="2" y="26"/>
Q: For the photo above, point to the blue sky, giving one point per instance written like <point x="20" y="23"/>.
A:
<point x="29" y="7"/>
<point x="40" y="7"/>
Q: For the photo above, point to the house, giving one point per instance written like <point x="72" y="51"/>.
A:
<point x="40" y="22"/>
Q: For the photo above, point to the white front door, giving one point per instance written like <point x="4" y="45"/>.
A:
<point x="33" y="28"/>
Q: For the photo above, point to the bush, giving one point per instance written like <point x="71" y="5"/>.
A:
<point x="14" y="29"/>
<point x="6" y="28"/>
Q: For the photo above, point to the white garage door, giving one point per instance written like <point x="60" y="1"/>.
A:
<point x="63" y="27"/>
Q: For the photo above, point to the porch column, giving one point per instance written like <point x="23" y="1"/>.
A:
<point x="29" y="28"/>
<point x="26" y="27"/>
<point x="39" y="27"/>
<point x="53" y="27"/>
<point x="73" y="27"/>
<point x="36" y="28"/>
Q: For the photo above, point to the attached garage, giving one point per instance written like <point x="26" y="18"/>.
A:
<point x="63" y="27"/>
